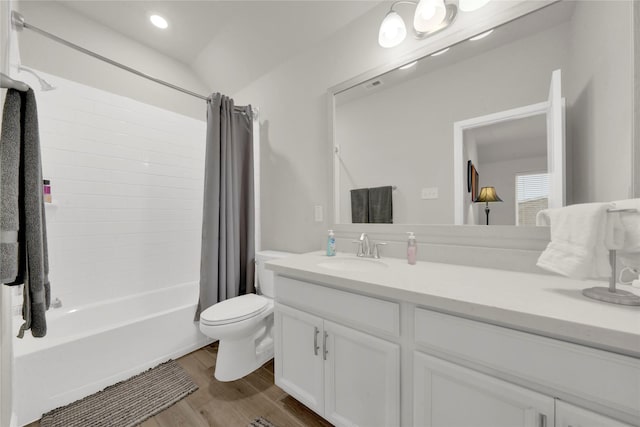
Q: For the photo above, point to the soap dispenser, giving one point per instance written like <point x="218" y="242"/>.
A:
<point x="331" y="244"/>
<point x="412" y="248"/>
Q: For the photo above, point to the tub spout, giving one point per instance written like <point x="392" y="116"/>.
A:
<point x="56" y="303"/>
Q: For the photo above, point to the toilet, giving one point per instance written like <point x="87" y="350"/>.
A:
<point x="244" y="325"/>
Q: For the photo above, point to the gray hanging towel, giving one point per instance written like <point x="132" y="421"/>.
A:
<point x="10" y="189"/>
<point x="32" y="267"/>
<point x="381" y="205"/>
<point x="360" y="205"/>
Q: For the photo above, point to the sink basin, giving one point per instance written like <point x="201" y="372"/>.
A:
<point x="352" y="264"/>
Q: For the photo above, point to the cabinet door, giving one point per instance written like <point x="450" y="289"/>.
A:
<point x="298" y="356"/>
<point x="568" y="415"/>
<point x="362" y="378"/>
<point x="449" y="395"/>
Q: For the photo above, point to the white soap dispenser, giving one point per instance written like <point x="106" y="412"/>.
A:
<point x="412" y="248"/>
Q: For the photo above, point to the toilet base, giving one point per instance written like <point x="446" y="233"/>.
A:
<point x="238" y="358"/>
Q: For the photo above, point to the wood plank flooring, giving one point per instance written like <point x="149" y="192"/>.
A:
<point x="231" y="404"/>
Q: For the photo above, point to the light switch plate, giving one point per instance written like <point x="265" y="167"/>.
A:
<point x="429" y="193"/>
<point x="318" y="214"/>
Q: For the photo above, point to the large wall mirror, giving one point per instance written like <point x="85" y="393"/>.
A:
<point x="540" y="110"/>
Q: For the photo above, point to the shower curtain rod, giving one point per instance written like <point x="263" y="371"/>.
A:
<point x="19" y="24"/>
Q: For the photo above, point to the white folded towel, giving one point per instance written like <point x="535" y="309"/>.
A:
<point x="629" y="250"/>
<point x="580" y="238"/>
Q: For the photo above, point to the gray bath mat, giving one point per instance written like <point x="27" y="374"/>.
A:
<point x="261" y="422"/>
<point x="126" y="403"/>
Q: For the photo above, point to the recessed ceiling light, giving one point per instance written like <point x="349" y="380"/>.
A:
<point x="409" y="65"/>
<point x="440" y="52"/>
<point x="481" y="36"/>
<point x="159" y="21"/>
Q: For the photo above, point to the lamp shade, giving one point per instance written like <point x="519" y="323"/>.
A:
<point x="392" y="30"/>
<point x="488" y="194"/>
<point x="429" y="15"/>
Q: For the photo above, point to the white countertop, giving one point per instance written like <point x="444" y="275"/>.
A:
<point x="547" y="305"/>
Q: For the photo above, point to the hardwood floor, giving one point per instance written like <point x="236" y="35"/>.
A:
<point x="231" y="404"/>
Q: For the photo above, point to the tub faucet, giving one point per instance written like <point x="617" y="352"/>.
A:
<point x="56" y="303"/>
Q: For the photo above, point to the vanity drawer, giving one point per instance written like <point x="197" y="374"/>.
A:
<point x="567" y="369"/>
<point x="366" y="313"/>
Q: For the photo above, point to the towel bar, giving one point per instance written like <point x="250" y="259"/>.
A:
<point x="611" y="294"/>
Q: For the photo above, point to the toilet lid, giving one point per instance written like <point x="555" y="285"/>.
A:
<point x="234" y="309"/>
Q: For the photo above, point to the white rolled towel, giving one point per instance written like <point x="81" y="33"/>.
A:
<point x="580" y="239"/>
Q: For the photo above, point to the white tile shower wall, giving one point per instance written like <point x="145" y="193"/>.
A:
<point x="127" y="185"/>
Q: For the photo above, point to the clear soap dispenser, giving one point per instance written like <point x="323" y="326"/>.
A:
<point x="412" y="248"/>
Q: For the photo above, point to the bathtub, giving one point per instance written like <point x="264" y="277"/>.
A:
<point x="93" y="346"/>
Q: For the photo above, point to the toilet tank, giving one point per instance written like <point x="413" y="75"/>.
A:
<point x="265" y="277"/>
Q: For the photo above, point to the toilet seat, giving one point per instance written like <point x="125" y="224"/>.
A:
<point x="234" y="310"/>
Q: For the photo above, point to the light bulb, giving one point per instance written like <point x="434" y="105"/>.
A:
<point x="392" y="30"/>
<point x="409" y="65"/>
<point x="427" y="12"/>
<point x="159" y="21"/>
<point x="471" y="5"/>
<point x="440" y="52"/>
<point x="429" y="15"/>
<point x="481" y="36"/>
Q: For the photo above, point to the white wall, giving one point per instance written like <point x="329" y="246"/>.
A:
<point x="127" y="183"/>
<point x="41" y="53"/>
<point x="600" y="134"/>
<point x="395" y="137"/>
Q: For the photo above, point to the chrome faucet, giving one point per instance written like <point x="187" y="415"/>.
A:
<point x="366" y="248"/>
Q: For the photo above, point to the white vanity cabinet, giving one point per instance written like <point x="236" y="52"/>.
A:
<point x="343" y="352"/>
<point x="350" y="377"/>
<point x="299" y="362"/>
<point x="449" y="395"/>
<point x="568" y="415"/>
<point x="539" y="370"/>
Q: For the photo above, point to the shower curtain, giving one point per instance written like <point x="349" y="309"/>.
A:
<point x="228" y="250"/>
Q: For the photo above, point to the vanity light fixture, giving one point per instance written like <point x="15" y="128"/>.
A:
<point x="159" y="21"/>
<point x="440" y="52"/>
<point x="482" y="35"/>
<point x="430" y="16"/>
<point x="409" y="65"/>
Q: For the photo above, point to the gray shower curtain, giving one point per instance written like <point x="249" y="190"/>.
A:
<point x="227" y="256"/>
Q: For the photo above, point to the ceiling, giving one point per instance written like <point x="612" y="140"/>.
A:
<point x="256" y="35"/>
